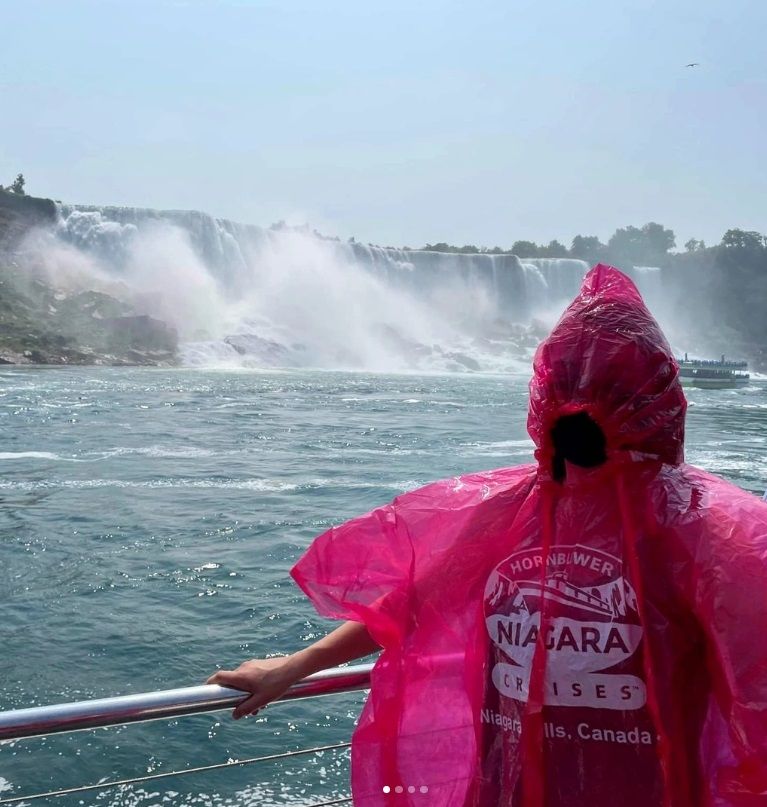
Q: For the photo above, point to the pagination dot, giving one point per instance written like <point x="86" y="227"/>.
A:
<point x="401" y="789"/>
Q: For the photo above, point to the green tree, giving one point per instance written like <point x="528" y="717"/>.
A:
<point x="587" y="248"/>
<point x="17" y="186"/>
<point x="658" y="239"/>
<point x="740" y="284"/>
<point x="694" y="246"/>
<point x="525" y="249"/>
<point x="626" y="244"/>
<point x="636" y="246"/>
<point x="743" y="254"/>
<point x="556" y="250"/>
<point x="744" y="240"/>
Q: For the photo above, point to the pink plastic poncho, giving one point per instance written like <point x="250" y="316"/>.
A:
<point x="598" y="641"/>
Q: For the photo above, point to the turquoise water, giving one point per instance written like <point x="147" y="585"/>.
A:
<point x="148" y="521"/>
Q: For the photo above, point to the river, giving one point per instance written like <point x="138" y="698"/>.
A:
<point x="149" y="519"/>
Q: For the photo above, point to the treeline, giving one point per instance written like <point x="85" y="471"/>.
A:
<point x="649" y="245"/>
<point x="739" y="251"/>
<point x="718" y="293"/>
<point x="722" y="292"/>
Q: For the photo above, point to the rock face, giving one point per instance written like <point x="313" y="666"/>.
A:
<point x="266" y="351"/>
<point x="18" y="214"/>
<point x="140" y="332"/>
<point x="40" y="324"/>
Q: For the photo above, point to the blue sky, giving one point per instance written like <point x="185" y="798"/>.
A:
<point x="396" y="122"/>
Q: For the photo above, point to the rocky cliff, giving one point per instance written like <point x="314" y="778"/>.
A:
<point x="42" y="323"/>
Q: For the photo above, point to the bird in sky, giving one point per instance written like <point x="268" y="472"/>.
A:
<point x="693" y="64"/>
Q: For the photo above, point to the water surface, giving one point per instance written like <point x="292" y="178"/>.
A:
<point x="148" y="519"/>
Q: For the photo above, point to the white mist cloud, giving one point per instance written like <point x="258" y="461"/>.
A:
<point x="248" y="297"/>
<point x="169" y="281"/>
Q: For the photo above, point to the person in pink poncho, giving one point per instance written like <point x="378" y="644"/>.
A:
<point x="587" y="630"/>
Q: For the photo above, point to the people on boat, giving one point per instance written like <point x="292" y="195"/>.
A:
<point x="716" y="362"/>
<point x="586" y="630"/>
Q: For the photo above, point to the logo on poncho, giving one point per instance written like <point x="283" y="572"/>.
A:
<point x="591" y="628"/>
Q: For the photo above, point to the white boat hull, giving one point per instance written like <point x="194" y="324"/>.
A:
<point x="715" y="383"/>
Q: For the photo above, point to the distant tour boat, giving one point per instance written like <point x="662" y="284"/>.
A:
<point x="712" y="373"/>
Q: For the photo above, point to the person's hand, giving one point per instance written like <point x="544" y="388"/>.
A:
<point x="266" y="679"/>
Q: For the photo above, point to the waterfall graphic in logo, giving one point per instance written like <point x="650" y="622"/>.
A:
<point x="591" y="632"/>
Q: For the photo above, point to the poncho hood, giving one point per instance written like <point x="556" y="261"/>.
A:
<point x="608" y="357"/>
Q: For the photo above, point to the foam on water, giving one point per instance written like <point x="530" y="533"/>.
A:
<point x="256" y="485"/>
<point x="23" y="455"/>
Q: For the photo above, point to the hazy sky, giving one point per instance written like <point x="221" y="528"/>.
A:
<point x="396" y="122"/>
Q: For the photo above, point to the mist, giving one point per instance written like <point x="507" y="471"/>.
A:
<point x="245" y="296"/>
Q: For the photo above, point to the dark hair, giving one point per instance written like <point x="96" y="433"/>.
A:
<point x="577" y="439"/>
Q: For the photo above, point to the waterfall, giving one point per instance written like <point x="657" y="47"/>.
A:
<point x="244" y="295"/>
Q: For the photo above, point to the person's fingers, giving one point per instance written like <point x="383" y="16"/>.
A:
<point x="248" y="707"/>
<point x="226" y="678"/>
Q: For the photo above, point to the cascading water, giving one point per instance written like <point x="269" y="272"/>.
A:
<point x="248" y="296"/>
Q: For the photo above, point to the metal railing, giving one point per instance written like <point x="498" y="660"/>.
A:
<point x="39" y="721"/>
